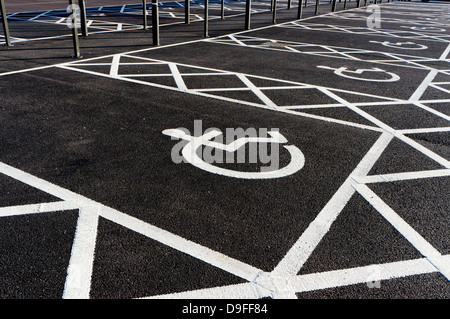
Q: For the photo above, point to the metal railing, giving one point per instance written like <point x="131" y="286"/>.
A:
<point x="78" y="11"/>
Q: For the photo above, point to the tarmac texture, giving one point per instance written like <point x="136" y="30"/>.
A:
<point x="306" y="159"/>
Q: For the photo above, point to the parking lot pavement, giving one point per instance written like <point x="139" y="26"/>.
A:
<point x="307" y="160"/>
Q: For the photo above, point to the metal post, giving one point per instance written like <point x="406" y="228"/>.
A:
<point x="289" y="4"/>
<point x="187" y="11"/>
<point x="271" y="5"/>
<point x="222" y="10"/>
<point x="248" y="7"/>
<point x="144" y="14"/>
<point x="333" y="7"/>
<point x="205" y="29"/>
<point x="76" y="43"/>
<point x="155" y="22"/>
<point x="274" y="17"/>
<point x="84" y="28"/>
<point x="5" y="23"/>
<point x="345" y="4"/>
<point x="300" y="9"/>
<point x="316" y="12"/>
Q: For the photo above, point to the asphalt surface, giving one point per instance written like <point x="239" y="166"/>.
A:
<point x="96" y="204"/>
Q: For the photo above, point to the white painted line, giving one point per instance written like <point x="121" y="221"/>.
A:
<point x="330" y="120"/>
<point x="424" y="130"/>
<point x="359" y="275"/>
<point x="39" y="15"/>
<point x="439" y="159"/>
<point x="401" y="60"/>
<point x="444" y="162"/>
<point x="132" y="78"/>
<point x="121" y="63"/>
<point x="287" y="87"/>
<point x="140" y="75"/>
<point x="177" y="77"/>
<point x="77" y="286"/>
<point x="383" y="178"/>
<point x="315" y="281"/>
<point x="232" y="37"/>
<point x="439" y="87"/>
<point x="114" y="71"/>
<point x="207" y="74"/>
<point x="445" y="53"/>
<point x="209" y="256"/>
<point x="423" y="246"/>
<point x="37" y="208"/>
<point x="268" y="102"/>
<point x="27" y="70"/>
<point x="43" y="185"/>
<point x="293" y="261"/>
<point x="239" y="291"/>
<point x="79" y="272"/>
<point x="313" y="106"/>
<point x="378" y="97"/>
<point x="423" y="86"/>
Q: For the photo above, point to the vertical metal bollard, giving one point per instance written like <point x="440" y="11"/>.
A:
<point x="316" y="12"/>
<point x="76" y="42"/>
<point x="300" y="9"/>
<point x="205" y="27"/>
<point x="333" y="6"/>
<point x="155" y="22"/>
<point x="187" y="11"/>
<point x="345" y="4"/>
<point x="222" y="10"/>
<point x="144" y="14"/>
<point x="248" y="7"/>
<point x="274" y="17"/>
<point x="84" y="28"/>
<point x="289" y="4"/>
<point x="5" y="23"/>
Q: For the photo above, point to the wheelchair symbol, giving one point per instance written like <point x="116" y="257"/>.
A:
<point x="402" y="45"/>
<point x="344" y="72"/>
<point x="189" y="153"/>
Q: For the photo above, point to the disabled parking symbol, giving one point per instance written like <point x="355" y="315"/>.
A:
<point x="402" y="45"/>
<point x="359" y="74"/>
<point x="190" y="154"/>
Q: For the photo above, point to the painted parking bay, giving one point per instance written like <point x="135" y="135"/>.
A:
<point x="123" y="160"/>
<point x="101" y="161"/>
